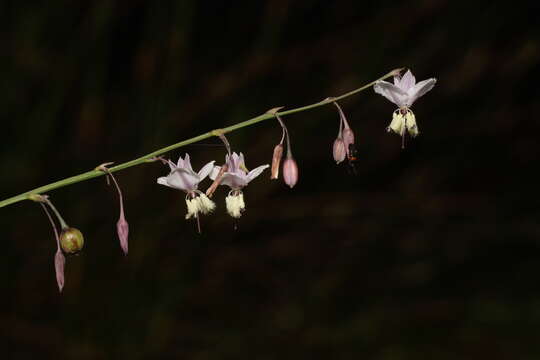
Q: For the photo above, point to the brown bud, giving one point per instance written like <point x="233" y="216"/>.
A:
<point x="71" y="240"/>
<point x="276" y="161"/>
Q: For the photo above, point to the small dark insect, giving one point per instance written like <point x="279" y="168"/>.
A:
<point x="352" y="159"/>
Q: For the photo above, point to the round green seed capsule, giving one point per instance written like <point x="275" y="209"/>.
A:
<point x="71" y="240"/>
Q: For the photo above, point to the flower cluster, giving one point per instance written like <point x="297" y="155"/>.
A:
<point x="234" y="174"/>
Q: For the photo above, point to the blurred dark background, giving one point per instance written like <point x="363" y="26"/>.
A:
<point x="428" y="253"/>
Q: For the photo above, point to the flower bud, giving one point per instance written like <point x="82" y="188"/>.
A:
<point x="71" y="240"/>
<point x="290" y="172"/>
<point x="122" y="228"/>
<point x="339" y="150"/>
<point x="276" y="161"/>
<point x="348" y="136"/>
<point x="59" y="263"/>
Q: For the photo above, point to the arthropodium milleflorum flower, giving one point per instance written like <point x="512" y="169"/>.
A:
<point x="404" y="92"/>
<point x="236" y="177"/>
<point x="182" y="177"/>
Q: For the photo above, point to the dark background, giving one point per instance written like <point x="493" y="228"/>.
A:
<point x="428" y="253"/>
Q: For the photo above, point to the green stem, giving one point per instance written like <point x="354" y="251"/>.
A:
<point x="145" y="158"/>
<point x="63" y="224"/>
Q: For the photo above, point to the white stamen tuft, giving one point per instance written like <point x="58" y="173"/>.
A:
<point x="235" y="205"/>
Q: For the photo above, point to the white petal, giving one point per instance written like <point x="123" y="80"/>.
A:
<point x="163" y="181"/>
<point x="233" y="181"/>
<point x="407" y="81"/>
<point x="183" y="179"/>
<point x="391" y="92"/>
<point x="206" y="169"/>
<point x="256" y="172"/>
<point x="172" y="166"/>
<point x="187" y="162"/>
<point x="180" y="162"/>
<point x="420" y="89"/>
<point x="214" y="172"/>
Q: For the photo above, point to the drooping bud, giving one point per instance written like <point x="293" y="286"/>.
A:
<point x="71" y="240"/>
<point x="348" y="136"/>
<point x="276" y="161"/>
<point x="59" y="264"/>
<point x="290" y="171"/>
<point x="122" y="228"/>
<point x="339" y="150"/>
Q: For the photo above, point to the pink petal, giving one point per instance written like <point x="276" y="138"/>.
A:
<point x="256" y="172"/>
<point x="407" y="81"/>
<point x="183" y="179"/>
<point x="206" y="169"/>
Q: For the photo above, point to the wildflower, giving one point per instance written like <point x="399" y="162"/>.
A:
<point x="236" y="177"/>
<point x="182" y="177"/>
<point x="404" y="92"/>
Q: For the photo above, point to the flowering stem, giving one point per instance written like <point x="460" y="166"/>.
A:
<point x="150" y="157"/>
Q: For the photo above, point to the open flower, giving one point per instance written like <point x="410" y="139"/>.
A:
<point x="404" y="92"/>
<point x="236" y="177"/>
<point x="182" y="177"/>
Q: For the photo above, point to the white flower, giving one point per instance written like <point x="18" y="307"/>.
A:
<point x="236" y="177"/>
<point x="182" y="177"/>
<point x="404" y="92"/>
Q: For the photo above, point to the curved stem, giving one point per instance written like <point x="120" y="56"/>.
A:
<point x="63" y="224"/>
<point x="149" y="157"/>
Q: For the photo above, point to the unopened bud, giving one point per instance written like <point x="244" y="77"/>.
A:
<point x="71" y="240"/>
<point x="122" y="228"/>
<point x="276" y="161"/>
<point x="290" y="172"/>
<point x="339" y="150"/>
<point x="59" y="263"/>
<point x="348" y="136"/>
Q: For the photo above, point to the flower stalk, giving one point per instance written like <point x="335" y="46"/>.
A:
<point x="150" y="157"/>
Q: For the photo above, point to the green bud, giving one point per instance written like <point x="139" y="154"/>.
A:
<point x="71" y="240"/>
